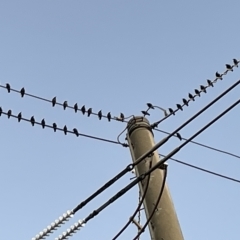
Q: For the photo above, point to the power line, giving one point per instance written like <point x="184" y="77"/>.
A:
<point x="65" y="105"/>
<point x="203" y="169"/>
<point x="155" y="206"/>
<point x="55" y="128"/>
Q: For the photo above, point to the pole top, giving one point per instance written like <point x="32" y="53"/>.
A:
<point x="138" y="122"/>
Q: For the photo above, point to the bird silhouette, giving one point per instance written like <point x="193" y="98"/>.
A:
<point x="54" y="127"/>
<point x="76" y="132"/>
<point x="9" y="113"/>
<point x="203" y="89"/>
<point x="235" y="61"/>
<point x="109" y="116"/>
<point x="191" y="97"/>
<point x="22" y="91"/>
<point x="197" y="92"/>
<point x="65" y="104"/>
<point x="83" y="109"/>
<point x="8" y="87"/>
<point x="32" y="120"/>
<point x="75" y="107"/>
<point x="122" y="116"/>
<point x="100" y="115"/>
<point x="179" y="106"/>
<point x="145" y="113"/>
<point x="150" y="105"/>
<point x="185" y="101"/>
<point x="0" y="111"/>
<point x="89" y="111"/>
<point x="65" y="130"/>
<point x="19" y="117"/>
<point x="178" y="136"/>
<point x="54" y="101"/>
<point x="218" y="75"/>
<point x="210" y="83"/>
<point x="171" y="111"/>
<point x="43" y="123"/>
<point x="229" y="67"/>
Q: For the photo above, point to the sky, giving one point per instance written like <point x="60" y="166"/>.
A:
<point x="115" y="56"/>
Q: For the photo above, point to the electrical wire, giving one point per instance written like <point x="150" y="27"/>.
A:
<point x="156" y="166"/>
<point x="55" y="128"/>
<point x="138" y="207"/>
<point x="65" y="105"/>
<point x="203" y="169"/>
<point x="156" y="205"/>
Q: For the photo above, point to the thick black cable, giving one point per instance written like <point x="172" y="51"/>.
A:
<point x="159" y="144"/>
<point x="138" y="207"/>
<point x="203" y="169"/>
<point x="155" y="207"/>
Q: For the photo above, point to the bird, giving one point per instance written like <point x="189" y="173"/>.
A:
<point x="218" y="75"/>
<point x="185" y="101"/>
<point x="32" y="120"/>
<point x="54" y="101"/>
<point x="89" y="111"/>
<point x="65" y="130"/>
<point x="43" y="123"/>
<point x="0" y="111"/>
<point x="203" y="89"/>
<point x="171" y="111"/>
<point x="197" y="92"/>
<point x="83" y="109"/>
<point x="100" y="114"/>
<point x="210" y="83"/>
<point x="235" y="61"/>
<point x="122" y="116"/>
<point x="75" y="107"/>
<point x="229" y="67"/>
<point x="54" y="127"/>
<point x="150" y="105"/>
<point x="76" y="132"/>
<point x="19" y="117"/>
<point x="65" y="104"/>
<point x="179" y="136"/>
<point x="22" y="91"/>
<point x="191" y="96"/>
<point x="179" y="106"/>
<point x="8" y="87"/>
<point x="109" y="116"/>
<point x="145" y="113"/>
<point x="9" y="113"/>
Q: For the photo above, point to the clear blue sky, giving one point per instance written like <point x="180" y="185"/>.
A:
<point x="115" y="56"/>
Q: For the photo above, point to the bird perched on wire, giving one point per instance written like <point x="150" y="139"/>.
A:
<point x="171" y="111"/>
<point x="145" y="113"/>
<point x="218" y="75"/>
<point x="76" y="132"/>
<point x="83" y="109"/>
<point x="9" y="113"/>
<point x="235" y="61"/>
<point x="100" y="114"/>
<point x="54" y="127"/>
<point x="191" y="97"/>
<point x="32" y="120"/>
<point x="54" y="101"/>
<point x="197" y="92"/>
<point x="75" y="107"/>
<point x="89" y="112"/>
<point x="210" y="83"/>
<point x="203" y="89"/>
<point x="0" y="111"/>
<point x="8" y="87"/>
<point x="22" y="91"/>
<point x="179" y="106"/>
<point x="65" y="105"/>
<point x="19" y="117"/>
<point x="43" y="123"/>
<point x="109" y="116"/>
<point x="65" y="130"/>
<point x="229" y="67"/>
<point x="150" y="106"/>
<point x="185" y="101"/>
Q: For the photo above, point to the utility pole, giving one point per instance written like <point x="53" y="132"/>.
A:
<point x="164" y="225"/>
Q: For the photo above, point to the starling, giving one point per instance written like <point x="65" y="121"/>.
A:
<point x="109" y="116"/>
<point x="65" y="130"/>
<point x="54" y="101"/>
<point x="43" y="123"/>
<point x="19" y="117"/>
<point x="22" y="91"/>
<point x="185" y="101"/>
<point x="0" y="111"/>
<point x="171" y="111"/>
<point x="179" y="136"/>
<point x="65" y="104"/>
<point x="218" y="75"/>
<point x="100" y="115"/>
<point x="191" y="97"/>
<point x="9" y="113"/>
<point x="122" y="116"/>
<point x="145" y="113"/>
<point x="32" y="120"/>
<point x="235" y="61"/>
<point x="179" y="106"/>
<point x="89" y="111"/>
<point x="203" y="89"/>
<point x="75" y="107"/>
<point x="76" y="132"/>
<point x="54" y="127"/>
<point x="197" y="92"/>
<point x="150" y="105"/>
<point x="83" y="109"/>
<point x="8" y="87"/>
<point x="229" y="67"/>
<point x="210" y="83"/>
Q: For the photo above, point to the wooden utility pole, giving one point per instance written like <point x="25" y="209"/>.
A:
<point x="164" y="225"/>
